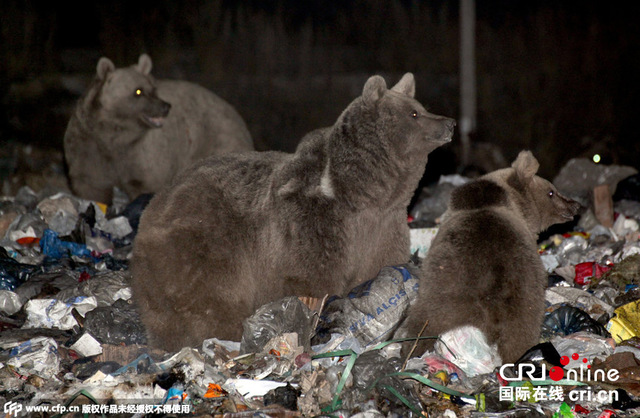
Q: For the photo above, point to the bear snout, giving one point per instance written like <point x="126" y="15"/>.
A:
<point x="155" y="114"/>
<point x="445" y="126"/>
<point x="450" y="124"/>
<point x="159" y="108"/>
<point x="571" y="207"/>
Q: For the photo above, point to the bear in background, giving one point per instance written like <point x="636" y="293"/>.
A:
<point x="238" y="231"/>
<point x="131" y="131"/>
<point x="483" y="267"/>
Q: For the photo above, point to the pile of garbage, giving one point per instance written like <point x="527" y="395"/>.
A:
<point x="71" y="340"/>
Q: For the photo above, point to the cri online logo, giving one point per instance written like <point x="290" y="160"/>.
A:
<point x="558" y="373"/>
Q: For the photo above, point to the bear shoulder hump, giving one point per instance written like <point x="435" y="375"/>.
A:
<point x="478" y="194"/>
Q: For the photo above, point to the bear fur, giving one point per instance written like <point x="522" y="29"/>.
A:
<point x="238" y="231"/>
<point x="483" y="267"/>
<point x="131" y="131"/>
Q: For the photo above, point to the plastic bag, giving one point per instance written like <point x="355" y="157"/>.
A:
<point x="571" y="250"/>
<point x="372" y="311"/>
<point x="588" y="346"/>
<point x="60" y="212"/>
<point x="38" y="355"/>
<point x="54" y="313"/>
<point x="578" y="298"/>
<point x="10" y="302"/>
<point x="567" y="320"/>
<point x="107" y="287"/>
<point x="467" y="348"/>
<point x="29" y="225"/>
<point x="54" y="247"/>
<point x="116" y="324"/>
<point x="276" y="318"/>
<point x="14" y="273"/>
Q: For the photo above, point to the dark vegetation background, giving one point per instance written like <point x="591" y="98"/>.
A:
<point x="559" y="78"/>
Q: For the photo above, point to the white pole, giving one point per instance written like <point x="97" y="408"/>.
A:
<point x="467" y="77"/>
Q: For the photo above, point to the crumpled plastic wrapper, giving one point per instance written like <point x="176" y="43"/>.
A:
<point x="626" y="323"/>
<point x="467" y="348"/>
<point x="54" y="313"/>
<point x="60" y="212"/>
<point x="571" y="250"/>
<point x="579" y="298"/>
<point x="107" y="287"/>
<point x="118" y="227"/>
<point x="587" y="345"/>
<point x="286" y="315"/>
<point x="10" y="302"/>
<point x="38" y="356"/>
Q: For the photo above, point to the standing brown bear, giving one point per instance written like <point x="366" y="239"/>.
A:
<point x="483" y="267"/>
<point x="131" y="131"/>
<point x="235" y="232"/>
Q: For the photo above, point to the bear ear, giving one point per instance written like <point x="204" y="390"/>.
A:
<point x="104" y="67"/>
<point x="526" y="166"/>
<point x="144" y="64"/>
<point x="374" y="89"/>
<point x="406" y="85"/>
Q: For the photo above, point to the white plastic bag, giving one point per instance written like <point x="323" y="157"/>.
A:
<point x="467" y="348"/>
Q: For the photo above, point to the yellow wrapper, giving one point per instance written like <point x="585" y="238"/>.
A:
<point x="626" y="322"/>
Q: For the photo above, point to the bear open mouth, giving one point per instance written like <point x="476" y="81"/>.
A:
<point x="154" y="122"/>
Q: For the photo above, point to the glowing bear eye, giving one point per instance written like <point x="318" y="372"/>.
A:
<point x="414" y="114"/>
<point x="138" y="92"/>
<point x="551" y="193"/>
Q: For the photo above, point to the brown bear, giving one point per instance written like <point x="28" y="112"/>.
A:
<point x="483" y="267"/>
<point x="131" y="131"/>
<point x="235" y="232"/>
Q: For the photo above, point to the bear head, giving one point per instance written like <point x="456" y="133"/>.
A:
<point x="127" y="96"/>
<point x="382" y="140"/>
<point x="400" y="119"/>
<point x="537" y="199"/>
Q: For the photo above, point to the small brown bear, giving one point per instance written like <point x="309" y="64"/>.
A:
<point x="131" y="131"/>
<point x="483" y="267"/>
<point x="235" y="232"/>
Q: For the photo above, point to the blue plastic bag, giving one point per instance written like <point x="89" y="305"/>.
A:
<point x="54" y="247"/>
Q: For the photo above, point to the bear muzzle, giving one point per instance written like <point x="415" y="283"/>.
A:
<point x="445" y="129"/>
<point x="449" y="124"/>
<point x="156" y="116"/>
<point x="571" y="207"/>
